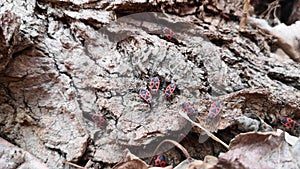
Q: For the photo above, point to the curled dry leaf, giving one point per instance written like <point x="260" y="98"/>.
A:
<point x="184" y="151"/>
<point x="185" y="163"/>
<point x="130" y="161"/>
<point x="209" y="161"/>
<point x="287" y="36"/>
<point x="168" y="167"/>
<point x="132" y="164"/>
<point x="296" y="149"/>
<point x="264" y="150"/>
<point x="292" y="140"/>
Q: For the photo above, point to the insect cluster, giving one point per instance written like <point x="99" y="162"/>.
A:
<point x="289" y="122"/>
<point x="160" y="161"/>
<point x="154" y="87"/>
<point x="214" y="110"/>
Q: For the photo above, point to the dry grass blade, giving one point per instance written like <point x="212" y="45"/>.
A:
<point x="74" y="165"/>
<point x="204" y="129"/>
<point x="272" y="7"/>
<point x="243" y="22"/>
<point x="184" y="151"/>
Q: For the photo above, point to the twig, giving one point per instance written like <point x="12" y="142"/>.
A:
<point x="75" y="165"/>
<point x="245" y="15"/>
<point x="271" y="7"/>
<point x="184" y="151"/>
<point x="204" y="129"/>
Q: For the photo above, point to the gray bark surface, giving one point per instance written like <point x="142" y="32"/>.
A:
<point x="62" y="62"/>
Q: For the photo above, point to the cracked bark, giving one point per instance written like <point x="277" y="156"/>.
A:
<point x="61" y="62"/>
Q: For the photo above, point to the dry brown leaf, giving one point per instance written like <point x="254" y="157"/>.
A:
<point x="130" y="161"/>
<point x="185" y="164"/>
<point x="287" y="36"/>
<point x="132" y="164"/>
<point x="209" y="161"/>
<point x="179" y="146"/>
<point x="259" y="150"/>
<point x="168" y="167"/>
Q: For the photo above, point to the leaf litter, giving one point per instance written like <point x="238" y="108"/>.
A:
<point x="261" y="150"/>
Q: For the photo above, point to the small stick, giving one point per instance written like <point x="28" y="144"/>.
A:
<point x="204" y="129"/>
<point x="245" y="15"/>
<point x="75" y="165"/>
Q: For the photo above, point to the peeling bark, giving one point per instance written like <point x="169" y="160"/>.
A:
<point x="63" y="62"/>
<point x="9" y="28"/>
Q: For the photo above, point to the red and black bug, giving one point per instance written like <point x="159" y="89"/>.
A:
<point x="169" y="34"/>
<point x="154" y="84"/>
<point x="225" y="15"/>
<point x="160" y="161"/>
<point x="189" y="109"/>
<point x="99" y="120"/>
<point x="213" y="117"/>
<point x="229" y="16"/>
<point x="289" y="122"/>
<point x="170" y="90"/>
<point x="215" y="109"/>
<point x="146" y="95"/>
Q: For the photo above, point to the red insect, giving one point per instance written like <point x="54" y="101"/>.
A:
<point x="225" y="15"/>
<point x="154" y="84"/>
<point x="229" y="16"/>
<point x="214" y="109"/>
<point x="289" y="122"/>
<point x="146" y="95"/>
<point x="213" y="118"/>
<point x="170" y="90"/>
<point x="99" y="120"/>
<point x="169" y="34"/>
<point x="189" y="109"/>
<point x="160" y="161"/>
